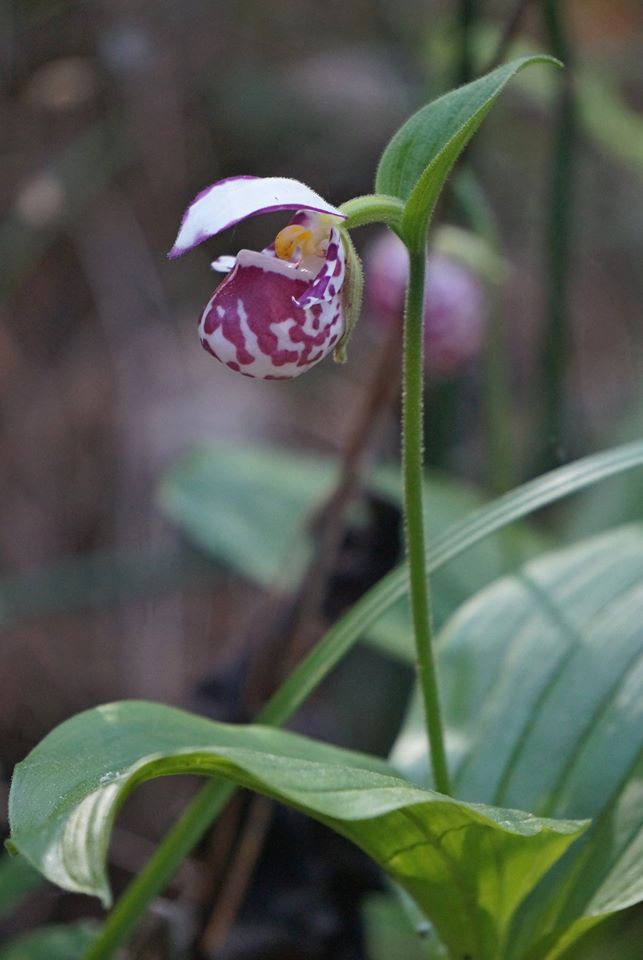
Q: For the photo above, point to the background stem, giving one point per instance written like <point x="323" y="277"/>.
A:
<point x="555" y="348"/>
<point x="412" y="449"/>
<point x="467" y="17"/>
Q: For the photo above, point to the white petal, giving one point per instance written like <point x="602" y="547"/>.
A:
<point x="227" y="202"/>
<point x="223" y="264"/>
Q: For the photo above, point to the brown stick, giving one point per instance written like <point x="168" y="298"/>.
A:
<point x="239" y="875"/>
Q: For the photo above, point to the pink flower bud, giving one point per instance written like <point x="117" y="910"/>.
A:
<point x="455" y="307"/>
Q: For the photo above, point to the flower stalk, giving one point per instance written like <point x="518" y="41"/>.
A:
<point x="413" y="476"/>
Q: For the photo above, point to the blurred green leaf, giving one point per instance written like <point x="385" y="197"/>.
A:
<point x="542" y="680"/>
<point x="252" y="509"/>
<point x="619" y="501"/>
<point x="51" y="943"/>
<point x="420" y="156"/>
<point x="98" y="580"/>
<point x="17" y="879"/>
<point x="467" y="866"/>
<point x="249" y="507"/>
<point x="608" y="119"/>
<point x="388" y="931"/>
<point x="618" y="938"/>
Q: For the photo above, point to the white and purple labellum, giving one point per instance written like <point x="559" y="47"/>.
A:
<point x="279" y="311"/>
<point x="273" y="319"/>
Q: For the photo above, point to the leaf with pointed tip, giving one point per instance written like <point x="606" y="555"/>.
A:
<point x="542" y="679"/>
<point x="420" y="156"/>
<point x="468" y="866"/>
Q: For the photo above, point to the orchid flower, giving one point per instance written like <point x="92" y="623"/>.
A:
<point x="279" y="311"/>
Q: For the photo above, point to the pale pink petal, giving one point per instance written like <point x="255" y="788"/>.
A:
<point x="229" y="201"/>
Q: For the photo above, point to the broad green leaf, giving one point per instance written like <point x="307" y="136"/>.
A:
<point x="55" y="942"/>
<point x="251" y="510"/>
<point x="420" y="156"/>
<point x="542" y="679"/>
<point x="467" y="866"/>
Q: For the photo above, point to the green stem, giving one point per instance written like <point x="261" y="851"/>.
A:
<point x="412" y="444"/>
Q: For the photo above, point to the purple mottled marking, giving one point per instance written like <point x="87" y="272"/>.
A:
<point x="272" y="302"/>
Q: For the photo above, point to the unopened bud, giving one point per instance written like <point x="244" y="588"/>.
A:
<point x="455" y="305"/>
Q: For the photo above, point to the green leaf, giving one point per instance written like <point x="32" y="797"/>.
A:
<point x="17" y="879"/>
<point x="619" y="502"/>
<point x="56" y="942"/>
<point x="542" y="680"/>
<point x="248" y="507"/>
<point x="418" y="159"/>
<point x="468" y="866"/>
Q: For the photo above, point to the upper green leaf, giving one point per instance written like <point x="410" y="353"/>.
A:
<point x="418" y="159"/>
<point x="468" y="866"/>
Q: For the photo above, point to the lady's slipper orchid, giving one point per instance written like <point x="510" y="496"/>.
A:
<point x="281" y="310"/>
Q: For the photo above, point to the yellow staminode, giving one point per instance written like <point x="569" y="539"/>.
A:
<point x="301" y="241"/>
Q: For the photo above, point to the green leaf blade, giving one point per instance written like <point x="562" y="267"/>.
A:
<point x="467" y="865"/>
<point x="418" y="159"/>
<point x="543" y="698"/>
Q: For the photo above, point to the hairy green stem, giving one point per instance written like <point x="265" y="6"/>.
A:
<point x="412" y="465"/>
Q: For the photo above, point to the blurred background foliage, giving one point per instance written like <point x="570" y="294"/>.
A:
<point x="114" y="114"/>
